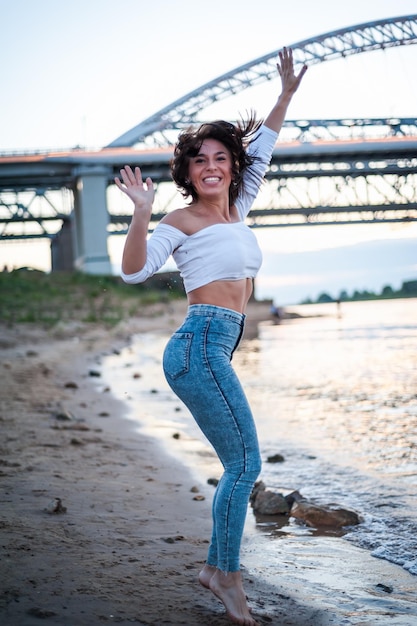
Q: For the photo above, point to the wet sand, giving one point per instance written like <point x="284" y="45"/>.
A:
<point x="129" y="545"/>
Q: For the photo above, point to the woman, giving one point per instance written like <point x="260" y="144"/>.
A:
<point x="221" y="166"/>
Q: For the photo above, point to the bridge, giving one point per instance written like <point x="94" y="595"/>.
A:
<point x="322" y="171"/>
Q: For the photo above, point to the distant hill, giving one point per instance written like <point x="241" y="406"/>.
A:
<point x="291" y="277"/>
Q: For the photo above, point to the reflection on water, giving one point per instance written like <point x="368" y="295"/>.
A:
<point x="349" y="385"/>
<point x="336" y="395"/>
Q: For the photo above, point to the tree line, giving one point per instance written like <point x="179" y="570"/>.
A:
<point x="408" y="289"/>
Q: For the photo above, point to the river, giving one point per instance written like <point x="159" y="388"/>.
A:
<point x="334" y="392"/>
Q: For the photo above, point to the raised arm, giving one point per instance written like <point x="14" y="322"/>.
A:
<point x="263" y="145"/>
<point x="290" y="83"/>
<point x="142" y="196"/>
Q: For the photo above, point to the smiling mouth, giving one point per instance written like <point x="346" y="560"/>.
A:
<point x="212" y="179"/>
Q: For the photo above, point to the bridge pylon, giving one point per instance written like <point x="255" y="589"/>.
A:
<point x="91" y="220"/>
<point x="381" y="163"/>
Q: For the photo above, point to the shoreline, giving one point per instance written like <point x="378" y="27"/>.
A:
<point x="131" y="542"/>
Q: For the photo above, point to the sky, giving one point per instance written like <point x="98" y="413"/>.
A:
<point x="84" y="72"/>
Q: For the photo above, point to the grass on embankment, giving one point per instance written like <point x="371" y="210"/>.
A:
<point x="33" y="296"/>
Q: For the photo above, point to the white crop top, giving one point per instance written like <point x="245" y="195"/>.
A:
<point x="218" y="252"/>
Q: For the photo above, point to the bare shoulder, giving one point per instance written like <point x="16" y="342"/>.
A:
<point x="173" y="218"/>
<point x="179" y="218"/>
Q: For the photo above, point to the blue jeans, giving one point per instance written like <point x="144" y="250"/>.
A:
<point x="197" y="366"/>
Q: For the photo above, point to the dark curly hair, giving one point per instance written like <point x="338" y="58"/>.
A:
<point x="235" y="137"/>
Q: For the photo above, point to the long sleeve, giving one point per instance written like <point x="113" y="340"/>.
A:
<point x="261" y="148"/>
<point x="160" y="245"/>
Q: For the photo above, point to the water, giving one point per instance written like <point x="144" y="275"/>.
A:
<point x="335" y="394"/>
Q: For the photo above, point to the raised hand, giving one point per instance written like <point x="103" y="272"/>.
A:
<point x="141" y="194"/>
<point x="290" y="81"/>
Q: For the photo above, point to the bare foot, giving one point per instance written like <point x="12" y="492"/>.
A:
<point x="205" y="575"/>
<point x="229" y="589"/>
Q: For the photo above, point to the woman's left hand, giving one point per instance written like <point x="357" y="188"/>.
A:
<point x="290" y="81"/>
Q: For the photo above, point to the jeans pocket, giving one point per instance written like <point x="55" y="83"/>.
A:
<point x="176" y="361"/>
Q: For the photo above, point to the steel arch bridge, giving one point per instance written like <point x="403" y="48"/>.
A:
<point x="308" y="183"/>
<point x="382" y="34"/>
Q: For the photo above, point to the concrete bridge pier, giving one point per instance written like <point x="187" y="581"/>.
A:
<point x="91" y="219"/>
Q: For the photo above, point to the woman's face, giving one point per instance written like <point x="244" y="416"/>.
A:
<point x="210" y="171"/>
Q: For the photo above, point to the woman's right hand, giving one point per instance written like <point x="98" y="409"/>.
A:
<point x="142" y="196"/>
<point x="133" y="186"/>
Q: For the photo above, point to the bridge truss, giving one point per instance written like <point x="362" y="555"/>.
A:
<point x="382" y="34"/>
<point x="34" y="213"/>
<point x="309" y="182"/>
<point x="326" y="171"/>
<point x="326" y="183"/>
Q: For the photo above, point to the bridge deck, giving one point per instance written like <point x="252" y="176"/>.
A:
<point x="55" y="170"/>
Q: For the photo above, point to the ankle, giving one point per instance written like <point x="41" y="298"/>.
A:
<point x="227" y="579"/>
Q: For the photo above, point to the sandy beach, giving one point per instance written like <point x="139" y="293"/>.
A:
<point x="99" y="525"/>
